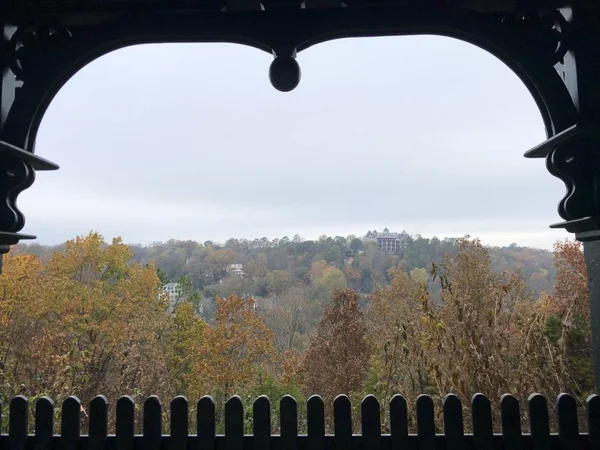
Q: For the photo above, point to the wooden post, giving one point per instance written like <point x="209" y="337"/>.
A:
<point x="591" y="250"/>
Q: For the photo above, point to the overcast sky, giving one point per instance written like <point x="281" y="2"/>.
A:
<point x="423" y="134"/>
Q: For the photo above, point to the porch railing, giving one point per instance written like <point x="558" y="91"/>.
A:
<point x="370" y="435"/>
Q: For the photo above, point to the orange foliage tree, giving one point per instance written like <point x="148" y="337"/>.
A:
<point x="337" y="359"/>
<point x="236" y="348"/>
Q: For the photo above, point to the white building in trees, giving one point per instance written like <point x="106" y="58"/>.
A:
<point x="173" y="291"/>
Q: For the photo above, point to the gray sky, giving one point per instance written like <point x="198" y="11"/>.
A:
<point x="191" y="141"/>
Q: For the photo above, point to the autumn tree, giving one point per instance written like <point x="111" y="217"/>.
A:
<point x="337" y="358"/>
<point x="217" y="261"/>
<point x="278" y="281"/>
<point x="353" y="276"/>
<point x="317" y="269"/>
<point x="471" y="333"/>
<point x="326" y="280"/>
<point x="399" y="362"/>
<point x="488" y="335"/>
<point x="23" y="306"/>
<point x="92" y="321"/>
<point x="568" y="318"/>
<point x="235" y="348"/>
<point x="290" y="317"/>
<point x="184" y="346"/>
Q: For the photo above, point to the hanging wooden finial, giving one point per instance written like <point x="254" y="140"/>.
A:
<point x="284" y="72"/>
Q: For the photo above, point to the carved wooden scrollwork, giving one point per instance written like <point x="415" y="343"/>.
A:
<point x="30" y="43"/>
<point x="15" y="176"/>
<point x="17" y="173"/>
<point x="576" y="162"/>
<point x="549" y="28"/>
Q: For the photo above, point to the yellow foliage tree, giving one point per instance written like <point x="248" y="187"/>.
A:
<point x="399" y="363"/>
<point x="92" y="321"/>
<point x="235" y="348"/>
<point x="185" y="346"/>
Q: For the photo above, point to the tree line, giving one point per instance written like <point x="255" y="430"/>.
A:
<point x="92" y="318"/>
<point x="315" y="267"/>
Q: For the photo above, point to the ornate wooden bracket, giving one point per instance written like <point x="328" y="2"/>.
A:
<point x="17" y="173"/>
<point x="573" y="154"/>
<point x="30" y="44"/>
<point x="17" y="165"/>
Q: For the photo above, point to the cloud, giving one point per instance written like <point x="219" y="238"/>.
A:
<point x="191" y="141"/>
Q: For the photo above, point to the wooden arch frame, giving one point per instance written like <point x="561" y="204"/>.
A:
<point x="512" y="44"/>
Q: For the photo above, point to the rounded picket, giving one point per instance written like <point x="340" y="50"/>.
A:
<point x="371" y="422"/>
<point x="70" y="427"/>
<point x="152" y="423"/>
<point x="342" y="422"/>
<point x="234" y="424"/>
<point x="179" y="423"/>
<point x="399" y="422"/>
<point x="454" y="429"/>
<point x="125" y="424"/>
<point x="44" y="423"/>
<point x="593" y="417"/>
<point x="539" y="423"/>
<point x="261" y="412"/>
<point x="510" y="415"/>
<point x="288" y="422"/>
<point x="425" y="423"/>
<point x="18" y="422"/>
<point x="315" y="422"/>
<point x="205" y="423"/>
<point x="98" y="424"/>
<point x="568" y="426"/>
<point x="483" y="429"/>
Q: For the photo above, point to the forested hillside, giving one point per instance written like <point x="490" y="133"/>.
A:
<point x="327" y="317"/>
<point x="286" y="267"/>
<point x="296" y="274"/>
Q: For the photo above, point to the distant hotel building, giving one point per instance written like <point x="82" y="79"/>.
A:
<point x="386" y="241"/>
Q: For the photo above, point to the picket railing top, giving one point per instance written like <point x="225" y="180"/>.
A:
<point x="370" y="431"/>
